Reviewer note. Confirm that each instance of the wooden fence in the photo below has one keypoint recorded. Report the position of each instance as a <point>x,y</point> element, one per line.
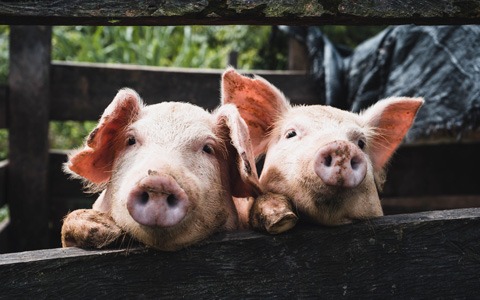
<point>432,253</point>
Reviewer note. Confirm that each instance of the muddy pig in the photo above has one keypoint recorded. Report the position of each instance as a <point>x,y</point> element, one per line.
<point>322,163</point>
<point>166,172</point>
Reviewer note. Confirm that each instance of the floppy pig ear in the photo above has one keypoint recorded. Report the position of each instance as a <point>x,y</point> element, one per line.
<point>258,102</point>
<point>94,162</point>
<point>243,173</point>
<point>391,119</point>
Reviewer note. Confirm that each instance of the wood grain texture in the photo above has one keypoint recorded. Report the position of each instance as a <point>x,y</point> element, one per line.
<point>29,96</point>
<point>405,256</point>
<point>261,12</point>
<point>81,91</point>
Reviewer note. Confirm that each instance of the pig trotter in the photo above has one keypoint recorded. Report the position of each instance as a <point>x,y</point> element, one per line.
<point>88,228</point>
<point>272,213</point>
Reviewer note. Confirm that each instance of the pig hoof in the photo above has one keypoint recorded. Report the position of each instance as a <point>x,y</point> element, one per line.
<point>88,228</point>
<point>273,213</point>
<point>282,223</point>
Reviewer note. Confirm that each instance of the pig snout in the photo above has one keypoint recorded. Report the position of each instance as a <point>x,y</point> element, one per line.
<point>340,163</point>
<point>157,200</point>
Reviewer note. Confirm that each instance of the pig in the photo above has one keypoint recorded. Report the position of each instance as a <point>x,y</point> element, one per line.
<point>322,164</point>
<point>166,173</point>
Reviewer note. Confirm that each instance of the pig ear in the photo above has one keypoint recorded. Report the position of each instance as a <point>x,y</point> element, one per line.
<point>390,118</point>
<point>94,162</point>
<point>243,173</point>
<point>260,104</point>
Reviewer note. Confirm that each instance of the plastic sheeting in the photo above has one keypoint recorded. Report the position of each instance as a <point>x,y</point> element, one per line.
<point>439,63</point>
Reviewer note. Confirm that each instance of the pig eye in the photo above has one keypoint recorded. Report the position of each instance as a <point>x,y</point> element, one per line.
<point>361,144</point>
<point>290,134</point>
<point>208,149</point>
<point>131,141</point>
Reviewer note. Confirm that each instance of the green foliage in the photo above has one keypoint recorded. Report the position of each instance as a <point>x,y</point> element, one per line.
<point>4,213</point>
<point>172,46</point>
<point>3,144</point>
<point>69,134</point>
<point>4,30</point>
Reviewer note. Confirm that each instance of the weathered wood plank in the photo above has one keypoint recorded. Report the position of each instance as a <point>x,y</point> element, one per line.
<point>434,170</point>
<point>81,91</point>
<point>29,89</point>
<point>404,205</point>
<point>404,256</point>
<point>261,12</point>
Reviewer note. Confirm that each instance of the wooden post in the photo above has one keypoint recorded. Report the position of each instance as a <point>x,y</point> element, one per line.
<point>233,58</point>
<point>29,88</point>
<point>297,56</point>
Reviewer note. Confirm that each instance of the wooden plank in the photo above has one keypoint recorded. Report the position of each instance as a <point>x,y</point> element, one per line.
<point>434,170</point>
<point>29,88</point>
<point>403,205</point>
<point>81,91</point>
<point>403,256</point>
<point>3,105</point>
<point>3,182</point>
<point>260,12</point>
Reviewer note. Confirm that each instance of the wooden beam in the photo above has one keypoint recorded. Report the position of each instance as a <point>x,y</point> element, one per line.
<point>82,91</point>
<point>259,12</point>
<point>29,89</point>
<point>434,170</point>
<point>403,256</point>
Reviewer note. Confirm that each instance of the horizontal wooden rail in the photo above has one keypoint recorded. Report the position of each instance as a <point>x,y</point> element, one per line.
<point>433,254</point>
<point>260,12</point>
<point>81,91</point>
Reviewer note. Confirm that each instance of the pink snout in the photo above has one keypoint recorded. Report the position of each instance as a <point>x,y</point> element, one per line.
<point>341,163</point>
<point>157,200</point>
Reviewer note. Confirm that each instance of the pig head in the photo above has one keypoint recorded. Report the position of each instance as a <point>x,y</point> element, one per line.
<point>328,162</point>
<point>166,173</point>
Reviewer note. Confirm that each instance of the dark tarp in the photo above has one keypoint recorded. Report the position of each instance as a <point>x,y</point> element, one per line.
<point>439,63</point>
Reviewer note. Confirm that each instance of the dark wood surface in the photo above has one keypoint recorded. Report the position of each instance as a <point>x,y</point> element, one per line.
<point>29,96</point>
<point>434,170</point>
<point>261,12</point>
<point>432,255</point>
<point>81,91</point>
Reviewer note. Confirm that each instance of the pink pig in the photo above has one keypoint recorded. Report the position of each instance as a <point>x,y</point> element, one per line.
<point>166,172</point>
<point>325,163</point>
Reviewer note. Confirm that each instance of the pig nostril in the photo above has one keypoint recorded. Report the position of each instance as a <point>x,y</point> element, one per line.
<point>328,160</point>
<point>144,198</point>
<point>354,163</point>
<point>172,200</point>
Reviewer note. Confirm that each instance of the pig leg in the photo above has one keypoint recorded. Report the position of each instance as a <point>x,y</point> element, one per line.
<point>273,213</point>
<point>88,228</point>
